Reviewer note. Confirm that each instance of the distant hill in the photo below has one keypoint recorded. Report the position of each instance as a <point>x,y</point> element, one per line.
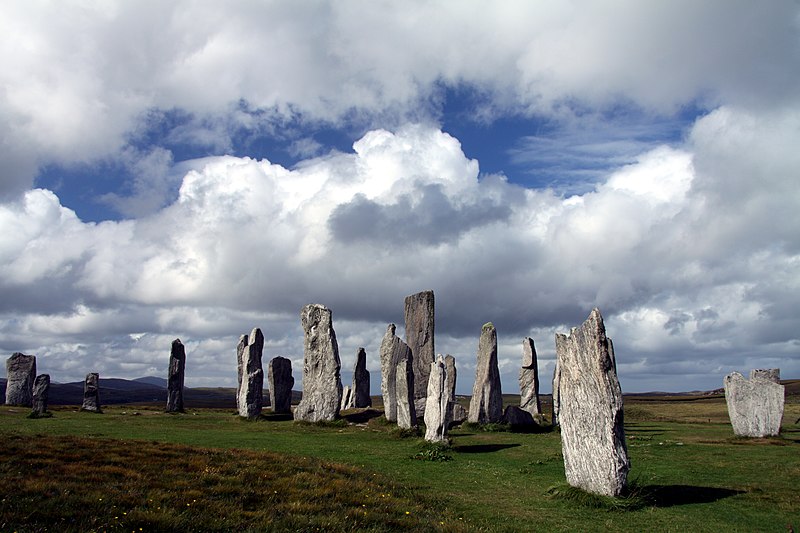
<point>152,380</point>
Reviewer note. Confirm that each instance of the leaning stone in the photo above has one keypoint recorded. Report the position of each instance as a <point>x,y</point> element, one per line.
<point>590,410</point>
<point>240,347</point>
<point>486,404</point>
<point>393,350</point>
<point>404,386</point>
<point>419,316</point>
<point>755,406</point>
<point>347,397</point>
<point>280,382</point>
<point>251,392</point>
<point>177,365</point>
<point>360,388</point>
<point>91,393</point>
<point>529,379</point>
<point>41,393</point>
<point>20,375</point>
<point>437,403</point>
<point>322,382</point>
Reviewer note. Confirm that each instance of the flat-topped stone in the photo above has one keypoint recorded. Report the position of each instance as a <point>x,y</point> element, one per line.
<point>486,404</point>
<point>420,322</point>
<point>755,406</point>
<point>281,381</point>
<point>20,375</point>
<point>91,393</point>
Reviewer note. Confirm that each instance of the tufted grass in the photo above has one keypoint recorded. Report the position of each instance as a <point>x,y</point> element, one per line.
<point>691,474</point>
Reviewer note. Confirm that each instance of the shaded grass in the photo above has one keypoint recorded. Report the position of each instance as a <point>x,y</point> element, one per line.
<point>77,484</point>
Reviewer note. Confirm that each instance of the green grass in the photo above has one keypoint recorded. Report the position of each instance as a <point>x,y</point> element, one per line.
<point>690,474</point>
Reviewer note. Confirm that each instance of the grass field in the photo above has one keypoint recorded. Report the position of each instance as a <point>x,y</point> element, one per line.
<point>136,467</point>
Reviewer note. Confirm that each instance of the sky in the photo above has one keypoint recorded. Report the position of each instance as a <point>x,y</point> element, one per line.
<point>196,169</point>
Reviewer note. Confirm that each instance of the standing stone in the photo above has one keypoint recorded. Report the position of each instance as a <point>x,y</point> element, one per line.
<point>590,409</point>
<point>322,382</point>
<point>91,393</point>
<point>347,398</point>
<point>486,404</point>
<point>360,389</point>
<point>517,417</point>
<point>41,393</point>
<point>529,379</point>
<point>240,347</point>
<point>404,386</point>
<point>755,406</point>
<point>251,392</point>
<point>419,337</point>
<point>20,375</point>
<point>280,381</point>
<point>437,403</point>
<point>177,364</point>
<point>456,413</point>
<point>556,398</point>
<point>392,351</point>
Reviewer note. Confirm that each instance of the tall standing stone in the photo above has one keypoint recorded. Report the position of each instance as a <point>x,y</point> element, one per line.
<point>419,317</point>
<point>41,394</point>
<point>755,406</point>
<point>91,393</point>
<point>392,351</point>
<point>280,381</point>
<point>251,392</point>
<point>404,387</point>
<point>456,412</point>
<point>556,398</point>
<point>529,379</point>
<point>438,403</point>
<point>177,365</point>
<point>322,382</point>
<point>590,409</point>
<point>20,375</point>
<point>486,404</point>
<point>244,340</point>
<point>360,389</point>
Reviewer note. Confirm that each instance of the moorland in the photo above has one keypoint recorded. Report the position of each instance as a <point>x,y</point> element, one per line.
<point>136,468</point>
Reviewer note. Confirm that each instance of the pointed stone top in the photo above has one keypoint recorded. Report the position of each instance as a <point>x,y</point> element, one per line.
<point>176,341</point>
<point>487,326</point>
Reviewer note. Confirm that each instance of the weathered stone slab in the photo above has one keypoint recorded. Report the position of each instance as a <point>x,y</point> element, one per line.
<point>556,398</point>
<point>459,415</point>
<point>437,403</point>
<point>419,316</point>
<point>392,351</point>
<point>404,387</point>
<point>486,404</point>
<point>244,340</point>
<point>41,394</point>
<point>322,382</point>
<point>280,382</point>
<point>347,398</point>
<point>175,375</point>
<point>360,388</point>
<point>251,391</point>
<point>517,417</point>
<point>590,409</point>
<point>755,406</point>
<point>91,393</point>
<point>20,375</point>
<point>529,379</point>
<point>450,375</point>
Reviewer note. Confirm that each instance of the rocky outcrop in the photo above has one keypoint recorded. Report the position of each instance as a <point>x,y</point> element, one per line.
<point>404,387</point>
<point>755,406</point>
<point>322,382</point>
<point>41,393</point>
<point>251,390</point>
<point>177,365</point>
<point>20,375</point>
<point>437,403</point>
<point>360,389</point>
<point>91,393</point>
<point>419,316</point>
<point>486,405</point>
<point>392,351</point>
<point>590,410</point>
<point>529,379</point>
<point>280,382</point>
